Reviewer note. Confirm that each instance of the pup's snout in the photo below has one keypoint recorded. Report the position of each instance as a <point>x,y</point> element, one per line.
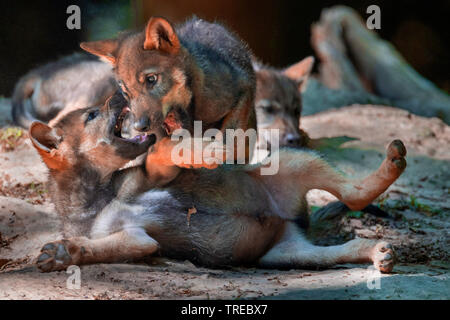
<point>292,140</point>
<point>142,124</point>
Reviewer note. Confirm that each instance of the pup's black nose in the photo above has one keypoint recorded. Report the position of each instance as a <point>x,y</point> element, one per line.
<point>292,140</point>
<point>142,124</point>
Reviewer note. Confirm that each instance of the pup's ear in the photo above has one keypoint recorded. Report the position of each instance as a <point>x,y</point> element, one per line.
<point>46,141</point>
<point>160,35</point>
<point>300,72</point>
<point>105,49</point>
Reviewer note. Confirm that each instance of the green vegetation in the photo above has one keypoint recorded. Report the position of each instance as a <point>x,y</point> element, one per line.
<point>429,211</point>
<point>9,137</point>
<point>355,214</point>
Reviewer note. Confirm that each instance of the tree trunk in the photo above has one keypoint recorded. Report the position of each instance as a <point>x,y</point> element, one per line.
<point>356,63</point>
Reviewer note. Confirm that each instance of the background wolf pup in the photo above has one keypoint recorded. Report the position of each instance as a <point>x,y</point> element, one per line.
<point>229,227</point>
<point>278,105</point>
<point>199,71</point>
<point>278,101</point>
<point>74,81</point>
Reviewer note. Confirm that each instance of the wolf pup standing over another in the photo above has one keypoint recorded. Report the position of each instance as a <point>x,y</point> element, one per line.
<point>173,76</point>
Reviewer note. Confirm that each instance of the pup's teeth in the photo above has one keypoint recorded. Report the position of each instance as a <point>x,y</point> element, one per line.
<point>143,137</point>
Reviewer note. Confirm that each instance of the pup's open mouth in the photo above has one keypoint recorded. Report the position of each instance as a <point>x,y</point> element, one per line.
<point>141,138</point>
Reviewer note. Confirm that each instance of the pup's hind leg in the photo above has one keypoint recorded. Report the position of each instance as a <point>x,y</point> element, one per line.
<point>358,195</point>
<point>294,251</point>
<point>302,171</point>
<point>130,243</point>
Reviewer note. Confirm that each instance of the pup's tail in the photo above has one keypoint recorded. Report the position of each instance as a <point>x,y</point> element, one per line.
<point>23,110</point>
<point>339,208</point>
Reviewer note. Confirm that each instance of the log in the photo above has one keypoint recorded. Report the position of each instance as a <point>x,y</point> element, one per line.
<point>355,61</point>
<point>319,97</point>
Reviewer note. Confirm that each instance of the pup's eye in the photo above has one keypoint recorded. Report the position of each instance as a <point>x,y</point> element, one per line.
<point>92,115</point>
<point>269,109</point>
<point>151,79</point>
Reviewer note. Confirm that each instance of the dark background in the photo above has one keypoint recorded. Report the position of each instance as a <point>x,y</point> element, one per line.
<point>278,32</point>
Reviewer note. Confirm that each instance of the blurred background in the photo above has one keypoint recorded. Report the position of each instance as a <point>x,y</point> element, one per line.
<point>278,32</point>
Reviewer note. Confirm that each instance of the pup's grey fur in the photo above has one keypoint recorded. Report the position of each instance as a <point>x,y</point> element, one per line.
<point>278,102</point>
<point>74,81</point>
<point>239,217</point>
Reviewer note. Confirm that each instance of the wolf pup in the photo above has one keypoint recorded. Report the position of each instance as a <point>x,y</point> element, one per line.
<point>241,217</point>
<point>278,101</point>
<point>197,71</point>
<point>278,105</point>
<point>74,81</point>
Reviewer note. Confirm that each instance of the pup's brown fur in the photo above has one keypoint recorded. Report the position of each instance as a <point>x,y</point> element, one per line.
<point>197,71</point>
<point>242,217</point>
<point>78,80</point>
<point>278,102</point>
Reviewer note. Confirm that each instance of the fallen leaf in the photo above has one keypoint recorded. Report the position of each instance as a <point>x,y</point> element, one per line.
<point>191,211</point>
<point>4,261</point>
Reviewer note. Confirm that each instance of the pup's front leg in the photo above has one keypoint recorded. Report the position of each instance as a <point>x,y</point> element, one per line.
<point>160,156</point>
<point>130,243</point>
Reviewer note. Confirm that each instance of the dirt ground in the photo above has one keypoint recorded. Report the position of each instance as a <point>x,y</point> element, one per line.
<point>418,226</point>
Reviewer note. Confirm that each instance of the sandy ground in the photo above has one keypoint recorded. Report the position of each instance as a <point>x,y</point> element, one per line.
<point>418,203</point>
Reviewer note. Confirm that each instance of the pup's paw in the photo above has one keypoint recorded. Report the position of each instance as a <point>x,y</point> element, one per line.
<point>58,255</point>
<point>396,153</point>
<point>199,166</point>
<point>383,257</point>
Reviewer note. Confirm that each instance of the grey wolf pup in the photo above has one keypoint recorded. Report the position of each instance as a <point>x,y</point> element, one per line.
<point>172,76</point>
<point>228,216</point>
<point>54,89</point>
<point>278,102</point>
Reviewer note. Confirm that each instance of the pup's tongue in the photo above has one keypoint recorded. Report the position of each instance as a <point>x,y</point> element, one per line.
<point>140,138</point>
<point>118,130</point>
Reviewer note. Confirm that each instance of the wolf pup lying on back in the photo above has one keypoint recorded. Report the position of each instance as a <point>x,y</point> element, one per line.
<point>241,217</point>
<point>173,76</point>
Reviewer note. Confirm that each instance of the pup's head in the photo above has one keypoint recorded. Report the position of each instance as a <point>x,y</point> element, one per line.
<point>278,100</point>
<point>151,70</point>
<point>88,139</point>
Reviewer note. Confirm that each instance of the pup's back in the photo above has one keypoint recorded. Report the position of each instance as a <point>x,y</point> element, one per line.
<point>74,81</point>
<point>225,61</point>
<point>212,43</point>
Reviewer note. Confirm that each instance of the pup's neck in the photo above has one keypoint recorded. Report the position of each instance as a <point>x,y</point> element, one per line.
<point>80,192</point>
